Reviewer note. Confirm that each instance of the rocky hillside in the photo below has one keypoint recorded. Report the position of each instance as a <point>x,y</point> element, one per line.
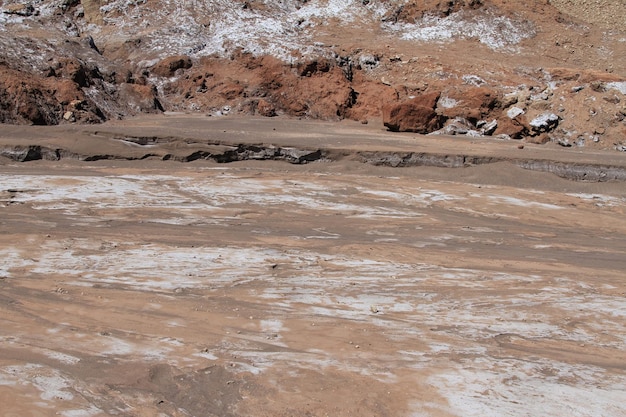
<point>536,70</point>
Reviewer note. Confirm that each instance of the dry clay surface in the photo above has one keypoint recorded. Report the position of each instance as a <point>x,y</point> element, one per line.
<point>338,288</point>
<point>605,13</point>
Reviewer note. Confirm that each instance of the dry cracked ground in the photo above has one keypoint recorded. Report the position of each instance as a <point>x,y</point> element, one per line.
<point>332,288</point>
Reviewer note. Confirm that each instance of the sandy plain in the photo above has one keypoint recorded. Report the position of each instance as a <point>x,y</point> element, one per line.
<point>338,287</point>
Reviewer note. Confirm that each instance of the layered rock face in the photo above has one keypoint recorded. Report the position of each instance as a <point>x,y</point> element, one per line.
<point>496,68</point>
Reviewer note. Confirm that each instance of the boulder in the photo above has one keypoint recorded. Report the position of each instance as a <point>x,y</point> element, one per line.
<point>415,115</point>
<point>472,104</point>
<point>69,116</point>
<point>461,126</point>
<point>264,108</point>
<point>488,128</point>
<point>544,122</point>
<point>368,61</point>
<point>539,139</point>
<point>516,128</point>
<point>168,66</point>
<point>457,126</point>
<point>140,98</point>
<point>514,112</point>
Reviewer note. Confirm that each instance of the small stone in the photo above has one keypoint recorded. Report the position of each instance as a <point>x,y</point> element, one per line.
<point>489,128</point>
<point>76,104</point>
<point>369,61</point>
<point>509,99</point>
<point>513,112</point>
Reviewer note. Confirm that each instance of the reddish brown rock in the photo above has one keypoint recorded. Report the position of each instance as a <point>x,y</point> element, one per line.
<point>265,85</point>
<point>231,91</point>
<point>66,91</point>
<point>516,128</point>
<point>370,96</point>
<point>306,69</point>
<point>473,104</point>
<point>26,100</point>
<point>168,66</point>
<point>539,139</point>
<point>322,92</point>
<point>416,115</point>
<point>140,98</point>
<point>264,108</point>
<point>75,71</point>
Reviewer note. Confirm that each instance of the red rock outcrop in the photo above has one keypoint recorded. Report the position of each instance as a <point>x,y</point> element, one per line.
<point>415,115</point>
<point>168,66</point>
<point>27,101</point>
<point>516,128</point>
<point>265,85</point>
<point>473,104</point>
<point>141,98</point>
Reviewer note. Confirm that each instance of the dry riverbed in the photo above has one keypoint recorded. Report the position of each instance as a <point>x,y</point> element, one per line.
<point>263,288</point>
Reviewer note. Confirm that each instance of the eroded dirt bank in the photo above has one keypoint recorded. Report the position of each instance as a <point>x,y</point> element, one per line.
<point>187,138</point>
<point>265,288</point>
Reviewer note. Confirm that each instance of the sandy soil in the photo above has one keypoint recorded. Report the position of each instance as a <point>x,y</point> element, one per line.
<point>262,288</point>
<point>605,13</point>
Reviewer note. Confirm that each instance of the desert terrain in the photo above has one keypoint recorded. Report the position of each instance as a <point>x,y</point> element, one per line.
<point>539,71</point>
<point>184,265</point>
<point>312,208</point>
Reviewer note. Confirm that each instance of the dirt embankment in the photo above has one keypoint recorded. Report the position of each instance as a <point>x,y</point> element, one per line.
<point>231,139</point>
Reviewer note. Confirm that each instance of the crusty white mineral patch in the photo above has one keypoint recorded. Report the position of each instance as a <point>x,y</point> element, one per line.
<point>402,278</point>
